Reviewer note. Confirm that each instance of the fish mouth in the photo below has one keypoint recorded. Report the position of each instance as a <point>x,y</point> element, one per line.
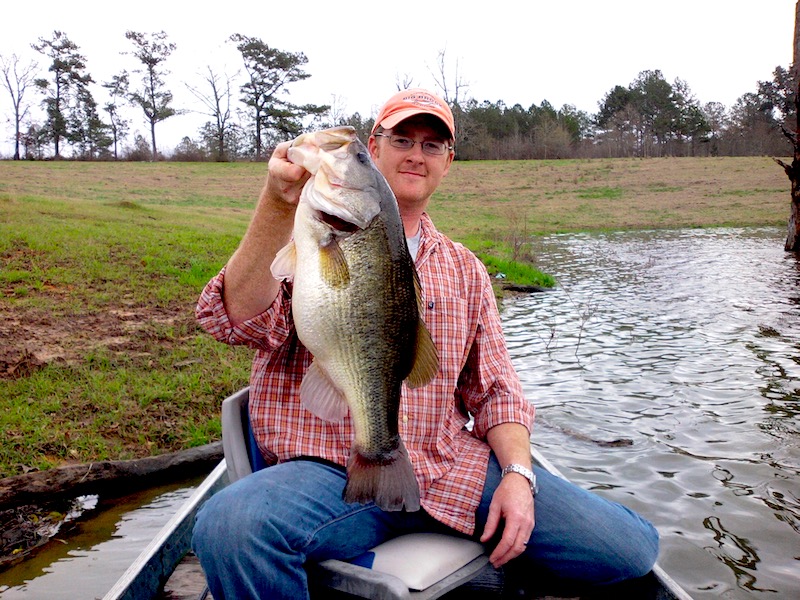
<point>337,223</point>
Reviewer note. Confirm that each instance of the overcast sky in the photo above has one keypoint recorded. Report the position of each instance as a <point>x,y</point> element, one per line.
<point>562,51</point>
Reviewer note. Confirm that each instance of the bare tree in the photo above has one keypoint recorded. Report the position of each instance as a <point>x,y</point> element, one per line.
<point>793,170</point>
<point>217,101</point>
<point>17,78</point>
<point>454,90</point>
<point>403,82</point>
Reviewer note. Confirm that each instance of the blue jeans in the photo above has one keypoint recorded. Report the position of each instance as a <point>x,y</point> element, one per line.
<point>253,537</point>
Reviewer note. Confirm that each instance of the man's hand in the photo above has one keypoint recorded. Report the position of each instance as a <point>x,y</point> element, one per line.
<point>285,180</point>
<point>511,509</point>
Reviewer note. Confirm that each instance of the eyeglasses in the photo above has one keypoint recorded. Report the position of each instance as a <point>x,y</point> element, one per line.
<point>434,148</point>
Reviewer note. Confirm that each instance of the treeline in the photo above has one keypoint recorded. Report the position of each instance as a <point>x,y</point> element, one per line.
<point>650,117</point>
<point>247,117</point>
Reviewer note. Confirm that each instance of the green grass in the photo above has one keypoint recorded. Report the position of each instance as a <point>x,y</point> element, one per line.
<point>600,193</point>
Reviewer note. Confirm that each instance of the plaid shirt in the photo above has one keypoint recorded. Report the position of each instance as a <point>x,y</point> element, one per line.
<point>476,378</point>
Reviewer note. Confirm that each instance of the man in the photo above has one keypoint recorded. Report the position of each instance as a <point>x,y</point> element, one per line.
<point>254,537</point>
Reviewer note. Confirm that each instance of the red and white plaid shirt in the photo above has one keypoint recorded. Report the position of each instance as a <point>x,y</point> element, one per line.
<point>476,378</point>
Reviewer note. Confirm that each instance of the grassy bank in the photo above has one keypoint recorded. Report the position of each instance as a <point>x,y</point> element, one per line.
<point>101,265</point>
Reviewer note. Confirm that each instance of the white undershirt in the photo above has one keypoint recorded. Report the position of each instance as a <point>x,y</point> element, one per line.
<point>413,244</point>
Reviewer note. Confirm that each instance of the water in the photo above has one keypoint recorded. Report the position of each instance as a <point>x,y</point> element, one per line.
<point>687,343</point>
<point>85,563</point>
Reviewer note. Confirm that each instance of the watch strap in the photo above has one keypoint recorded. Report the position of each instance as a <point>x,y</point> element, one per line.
<point>525,472</point>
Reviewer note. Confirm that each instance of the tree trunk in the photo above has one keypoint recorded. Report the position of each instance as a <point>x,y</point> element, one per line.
<point>153,137</point>
<point>793,170</point>
<point>119,476</point>
<point>793,236</point>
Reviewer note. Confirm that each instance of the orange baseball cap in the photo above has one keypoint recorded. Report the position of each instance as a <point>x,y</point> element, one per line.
<point>416,101</point>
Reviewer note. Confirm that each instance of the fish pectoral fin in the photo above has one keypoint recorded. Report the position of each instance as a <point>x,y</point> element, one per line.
<point>426,359</point>
<point>283,266</point>
<point>320,397</point>
<point>418,292</point>
<point>333,265</point>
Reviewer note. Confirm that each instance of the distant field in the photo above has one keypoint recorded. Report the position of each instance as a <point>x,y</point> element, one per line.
<point>612,194</point>
<point>101,264</point>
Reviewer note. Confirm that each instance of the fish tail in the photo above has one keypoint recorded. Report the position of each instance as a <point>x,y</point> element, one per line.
<point>388,481</point>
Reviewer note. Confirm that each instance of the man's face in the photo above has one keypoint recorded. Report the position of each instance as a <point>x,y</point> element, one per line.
<point>412,174</point>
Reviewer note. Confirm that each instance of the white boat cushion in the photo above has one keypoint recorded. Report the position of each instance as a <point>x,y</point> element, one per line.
<point>420,559</point>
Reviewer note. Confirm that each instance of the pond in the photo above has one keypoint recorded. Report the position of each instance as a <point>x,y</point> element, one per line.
<point>684,346</point>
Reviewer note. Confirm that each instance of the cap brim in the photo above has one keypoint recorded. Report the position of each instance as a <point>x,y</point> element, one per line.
<point>392,120</point>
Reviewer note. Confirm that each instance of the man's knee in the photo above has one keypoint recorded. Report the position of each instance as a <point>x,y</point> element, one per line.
<point>635,558</point>
<point>222,524</point>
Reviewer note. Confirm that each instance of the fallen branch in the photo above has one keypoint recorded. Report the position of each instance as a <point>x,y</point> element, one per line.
<point>118,476</point>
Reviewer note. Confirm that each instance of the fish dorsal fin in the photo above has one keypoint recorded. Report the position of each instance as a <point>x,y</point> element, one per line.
<point>283,265</point>
<point>333,265</point>
<point>320,397</point>
<point>426,358</point>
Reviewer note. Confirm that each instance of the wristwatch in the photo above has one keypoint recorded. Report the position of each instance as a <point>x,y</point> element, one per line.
<point>526,473</point>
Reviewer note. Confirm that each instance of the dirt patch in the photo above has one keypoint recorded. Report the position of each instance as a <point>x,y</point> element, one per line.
<point>31,339</point>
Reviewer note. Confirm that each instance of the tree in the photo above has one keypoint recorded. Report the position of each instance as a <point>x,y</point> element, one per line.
<point>453,92</point>
<point>17,78</point>
<point>750,130</point>
<point>217,101</point>
<point>87,130</point>
<point>717,119</point>
<point>613,102</point>
<point>659,116</point>
<point>777,96</point>
<point>70,82</point>
<point>34,140</point>
<point>117,90</point>
<point>652,96</point>
<point>152,96</point>
<point>269,72</point>
<point>188,151</point>
<point>689,122</point>
<point>793,170</point>
<point>620,122</point>
<point>577,122</point>
<point>140,151</point>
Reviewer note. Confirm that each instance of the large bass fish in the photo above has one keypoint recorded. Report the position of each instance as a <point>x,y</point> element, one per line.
<point>356,307</point>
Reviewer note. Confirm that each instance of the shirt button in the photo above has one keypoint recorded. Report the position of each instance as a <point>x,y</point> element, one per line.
<point>405,419</point>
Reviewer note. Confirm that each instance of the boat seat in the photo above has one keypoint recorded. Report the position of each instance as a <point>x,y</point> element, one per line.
<point>421,566</point>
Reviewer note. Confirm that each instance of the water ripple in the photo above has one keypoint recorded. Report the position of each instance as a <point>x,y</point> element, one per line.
<point>684,343</point>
